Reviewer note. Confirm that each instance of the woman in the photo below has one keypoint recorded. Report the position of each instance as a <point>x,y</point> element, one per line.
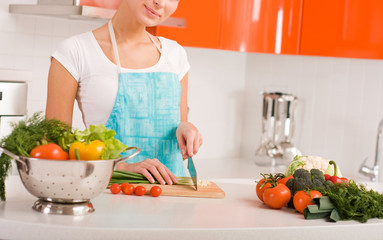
<point>134,83</point>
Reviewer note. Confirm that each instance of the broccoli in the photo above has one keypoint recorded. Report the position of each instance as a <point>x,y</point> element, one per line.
<point>328,184</point>
<point>302,174</point>
<point>305,180</point>
<point>316,183</point>
<point>317,174</point>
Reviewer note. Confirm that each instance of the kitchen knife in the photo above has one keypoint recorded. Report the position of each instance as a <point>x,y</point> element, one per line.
<point>193,172</point>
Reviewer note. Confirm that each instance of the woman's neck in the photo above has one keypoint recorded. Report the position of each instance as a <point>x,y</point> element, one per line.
<point>126,27</point>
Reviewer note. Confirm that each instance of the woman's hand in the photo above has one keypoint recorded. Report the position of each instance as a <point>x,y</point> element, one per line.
<point>189,139</point>
<point>150,168</point>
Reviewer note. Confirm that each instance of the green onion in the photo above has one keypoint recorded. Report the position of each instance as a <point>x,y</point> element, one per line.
<point>137,178</point>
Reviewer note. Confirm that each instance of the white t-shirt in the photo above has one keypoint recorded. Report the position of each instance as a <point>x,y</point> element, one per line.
<point>97,76</point>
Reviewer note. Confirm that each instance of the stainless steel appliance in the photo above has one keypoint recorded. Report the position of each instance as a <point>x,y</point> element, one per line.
<point>13,104</point>
<point>278,125</point>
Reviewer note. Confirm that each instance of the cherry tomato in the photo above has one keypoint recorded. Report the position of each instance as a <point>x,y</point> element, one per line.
<point>302,199</point>
<point>139,190</point>
<point>278,196</point>
<point>155,191</point>
<point>335,179</point>
<point>260,189</point>
<point>115,188</point>
<point>285,179</point>
<point>127,188</point>
<point>49,151</point>
<point>327,177</point>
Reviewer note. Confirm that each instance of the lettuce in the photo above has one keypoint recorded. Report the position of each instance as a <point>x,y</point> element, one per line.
<point>113,147</point>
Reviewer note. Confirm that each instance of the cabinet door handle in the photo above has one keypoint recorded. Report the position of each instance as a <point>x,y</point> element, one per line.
<point>1,96</point>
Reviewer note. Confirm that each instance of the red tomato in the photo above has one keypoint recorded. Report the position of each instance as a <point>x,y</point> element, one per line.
<point>345,181</point>
<point>139,190</point>
<point>127,188</point>
<point>278,196</point>
<point>260,189</point>
<point>335,179</point>
<point>327,177</point>
<point>302,199</point>
<point>155,191</point>
<point>285,179</point>
<point>115,188</point>
<point>50,151</point>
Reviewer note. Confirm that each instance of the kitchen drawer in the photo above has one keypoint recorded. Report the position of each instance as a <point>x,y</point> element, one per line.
<point>13,98</point>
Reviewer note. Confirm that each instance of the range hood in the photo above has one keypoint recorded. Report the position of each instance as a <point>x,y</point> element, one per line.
<point>77,9</point>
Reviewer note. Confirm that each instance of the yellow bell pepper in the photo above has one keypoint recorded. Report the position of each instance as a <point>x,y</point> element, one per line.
<point>91,151</point>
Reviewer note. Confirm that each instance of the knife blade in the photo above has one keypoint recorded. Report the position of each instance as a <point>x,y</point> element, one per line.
<point>193,172</point>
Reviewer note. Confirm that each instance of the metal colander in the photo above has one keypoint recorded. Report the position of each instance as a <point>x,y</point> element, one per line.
<point>66,181</point>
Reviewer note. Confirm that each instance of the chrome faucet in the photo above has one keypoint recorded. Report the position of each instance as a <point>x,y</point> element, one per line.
<point>373,172</point>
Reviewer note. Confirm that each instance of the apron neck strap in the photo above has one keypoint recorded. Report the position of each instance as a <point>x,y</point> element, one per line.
<point>114,44</point>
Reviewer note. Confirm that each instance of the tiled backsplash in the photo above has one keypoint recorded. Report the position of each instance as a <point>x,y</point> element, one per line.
<point>340,100</point>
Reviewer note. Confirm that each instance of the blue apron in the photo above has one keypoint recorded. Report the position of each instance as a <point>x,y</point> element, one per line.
<point>146,114</point>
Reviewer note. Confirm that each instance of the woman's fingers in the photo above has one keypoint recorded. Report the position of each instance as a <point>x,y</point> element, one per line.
<point>196,144</point>
<point>181,143</point>
<point>147,175</point>
<point>152,169</point>
<point>190,143</point>
<point>160,171</point>
<point>173,178</point>
<point>165,175</point>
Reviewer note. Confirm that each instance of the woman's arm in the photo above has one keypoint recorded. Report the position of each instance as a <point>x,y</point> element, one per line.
<point>188,136</point>
<point>62,89</point>
<point>184,98</point>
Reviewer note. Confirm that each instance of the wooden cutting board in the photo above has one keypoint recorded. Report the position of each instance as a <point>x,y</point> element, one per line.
<point>209,191</point>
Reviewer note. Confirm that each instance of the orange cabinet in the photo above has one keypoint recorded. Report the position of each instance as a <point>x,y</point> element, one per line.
<point>264,26</point>
<point>203,24</point>
<point>343,28</point>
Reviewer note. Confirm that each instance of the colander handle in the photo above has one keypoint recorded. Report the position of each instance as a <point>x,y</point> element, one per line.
<point>128,157</point>
<point>12,155</point>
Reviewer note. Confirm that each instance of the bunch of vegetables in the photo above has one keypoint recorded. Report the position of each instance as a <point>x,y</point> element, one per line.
<point>52,139</point>
<point>318,194</point>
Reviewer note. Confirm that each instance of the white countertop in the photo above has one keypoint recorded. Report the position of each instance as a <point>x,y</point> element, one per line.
<point>240,215</point>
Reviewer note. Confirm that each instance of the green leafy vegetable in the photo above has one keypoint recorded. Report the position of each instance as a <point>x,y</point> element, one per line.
<point>25,136</point>
<point>354,202</point>
<point>113,147</point>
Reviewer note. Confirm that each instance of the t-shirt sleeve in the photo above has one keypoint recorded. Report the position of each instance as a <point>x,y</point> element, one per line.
<point>68,54</point>
<point>177,58</point>
<point>184,63</point>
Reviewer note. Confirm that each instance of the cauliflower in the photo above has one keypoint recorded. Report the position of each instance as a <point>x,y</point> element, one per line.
<point>312,162</point>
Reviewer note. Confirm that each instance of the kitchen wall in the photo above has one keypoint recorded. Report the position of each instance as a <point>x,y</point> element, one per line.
<point>340,104</point>
<point>340,100</point>
<point>26,43</point>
